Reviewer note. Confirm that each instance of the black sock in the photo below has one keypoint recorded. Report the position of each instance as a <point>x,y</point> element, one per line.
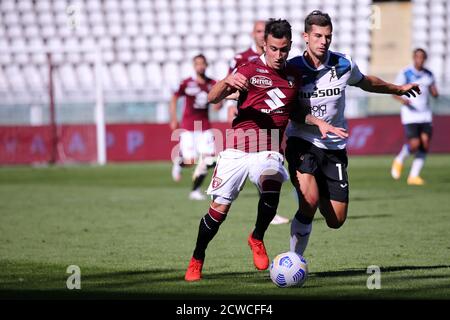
<point>198,181</point>
<point>209,225</point>
<point>302,218</point>
<point>267,209</point>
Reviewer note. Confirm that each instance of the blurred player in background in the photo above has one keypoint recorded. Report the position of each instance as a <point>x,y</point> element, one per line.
<point>268,96</point>
<point>416,118</point>
<point>197,142</point>
<point>318,167</point>
<point>252,53</point>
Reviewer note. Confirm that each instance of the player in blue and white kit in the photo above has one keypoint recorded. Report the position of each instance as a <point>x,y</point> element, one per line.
<point>318,167</point>
<point>416,118</point>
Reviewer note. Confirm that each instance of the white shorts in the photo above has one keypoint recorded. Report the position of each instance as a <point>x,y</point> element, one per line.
<point>233,166</point>
<point>196,143</point>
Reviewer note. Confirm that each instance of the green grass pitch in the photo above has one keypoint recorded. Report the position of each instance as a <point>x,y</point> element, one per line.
<point>131,230</point>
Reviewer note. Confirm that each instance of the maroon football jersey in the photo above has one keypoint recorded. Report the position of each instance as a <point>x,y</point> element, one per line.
<point>196,102</point>
<point>248,55</point>
<point>271,96</point>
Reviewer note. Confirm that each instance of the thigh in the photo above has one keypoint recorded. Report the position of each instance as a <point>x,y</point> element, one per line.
<point>332,177</point>
<point>303,170</point>
<point>426,132</point>
<point>412,131</point>
<point>267,164</point>
<point>334,212</point>
<point>229,175</point>
<point>187,146</point>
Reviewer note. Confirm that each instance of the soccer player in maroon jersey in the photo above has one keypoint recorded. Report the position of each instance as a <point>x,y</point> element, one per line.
<point>268,96</point>
<point>252,53</point>
<point>197,141</point>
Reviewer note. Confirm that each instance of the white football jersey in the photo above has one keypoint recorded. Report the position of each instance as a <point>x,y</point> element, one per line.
<point>323,89</point>
<point>419,110</point>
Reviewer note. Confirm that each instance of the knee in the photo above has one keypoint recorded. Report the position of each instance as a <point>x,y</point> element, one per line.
<point>310,199</point>
<point>414,146</point>
<point>336,222</point>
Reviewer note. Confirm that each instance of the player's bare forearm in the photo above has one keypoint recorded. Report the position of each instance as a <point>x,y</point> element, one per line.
<point>377,85</point>
<point>325,127</point>
<point>219,92</point>
<point>173,113</point>
<point>434,92</point>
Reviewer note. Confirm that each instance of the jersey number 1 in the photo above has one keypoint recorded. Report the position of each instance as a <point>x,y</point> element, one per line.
<point>275,98</point>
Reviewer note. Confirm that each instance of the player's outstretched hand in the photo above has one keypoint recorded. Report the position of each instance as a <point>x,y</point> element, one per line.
<point>409,90</point>
<point>326,127</point>
<point>237,81</point>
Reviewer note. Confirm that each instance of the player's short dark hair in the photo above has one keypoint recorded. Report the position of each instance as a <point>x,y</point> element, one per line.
<point>278,28</point>
<point>317,18</point>
<point>420,50</point>
<point>201,56</point>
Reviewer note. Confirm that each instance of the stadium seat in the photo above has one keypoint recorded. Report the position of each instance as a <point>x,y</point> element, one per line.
<point>159,55</point>
<point>68,77</point>
<point>119,75</point>
<point>220,69</point>
<point>157,42</point>
<point>171,75</point>
<point>85,74</point>
<point>8,5</point>
<point>142,56</point>
<point>173,42</point>
<point>124,56</point>
<point>136,74</point>
<point>154,75</point>
<point>144,5</point>
<point>186,70</point>
<point>28,19</point>
<point>191,41</point>
<point>26,5</point>
<point>211,54</point>
<point>175,55</point>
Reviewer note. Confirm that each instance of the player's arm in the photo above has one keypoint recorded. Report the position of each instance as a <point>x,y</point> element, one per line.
<point>232,83</point>
<point>434,91</point>
<point>173,112</point>
<point>376,85</point>
<point>303,115</point>
<point>325,127</point>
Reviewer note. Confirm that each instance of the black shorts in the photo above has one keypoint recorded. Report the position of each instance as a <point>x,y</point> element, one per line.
<point>329,167</point>
<point>413,130</point>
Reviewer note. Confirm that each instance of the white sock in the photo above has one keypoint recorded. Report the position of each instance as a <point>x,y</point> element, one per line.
<point>299,236</point>
<point>404,153</point>
<point>417,164</point>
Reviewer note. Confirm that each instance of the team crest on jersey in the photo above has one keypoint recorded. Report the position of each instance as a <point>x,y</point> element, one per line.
<point>192,89</point>
<point>216,182</point>
<point>333,73</point>
<point>261,81</point>
<point>291,81</point>
<point>261,70</point>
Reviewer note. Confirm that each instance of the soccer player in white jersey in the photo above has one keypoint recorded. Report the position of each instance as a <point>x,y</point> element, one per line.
<point>318,167</point>
<point>416,118</point>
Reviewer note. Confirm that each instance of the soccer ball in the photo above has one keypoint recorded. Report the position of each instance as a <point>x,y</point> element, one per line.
<point>289,269</point>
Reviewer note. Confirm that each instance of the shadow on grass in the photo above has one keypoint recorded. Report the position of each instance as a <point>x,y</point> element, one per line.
<point>168,284</point>
<point>358,272</point>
